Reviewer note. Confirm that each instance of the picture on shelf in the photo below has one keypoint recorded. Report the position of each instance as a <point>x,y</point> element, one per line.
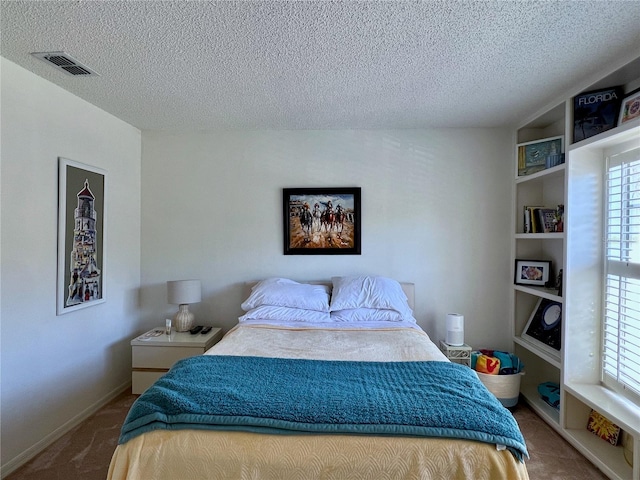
<point>532,272</point>
<point>595,112</point>
<point>630,107</point>
<point>545,325</point>
<point>541,154</point>
<point>604,428</point>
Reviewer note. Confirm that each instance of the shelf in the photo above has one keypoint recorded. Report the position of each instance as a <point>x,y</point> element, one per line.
<point>548,357</point>
<point>543,174</point>
<point>542,408</point>
<point>548,293</point>
<point>540,236</point>
<point>615,407</point>
<point>627,131</point>
<point>605,456</point>
<point>578,184</point>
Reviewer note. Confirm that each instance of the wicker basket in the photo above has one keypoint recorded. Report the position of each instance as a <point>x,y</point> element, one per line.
<point>506,388</point>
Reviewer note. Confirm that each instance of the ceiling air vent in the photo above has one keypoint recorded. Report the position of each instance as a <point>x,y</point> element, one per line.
<point>65,62</point>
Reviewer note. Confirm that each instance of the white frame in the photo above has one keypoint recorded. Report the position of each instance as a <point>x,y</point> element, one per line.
<point>546,269</point>
<point>63,231</point>
<point>630,97</point>
<point>535,142</point>
<point>547,348</point>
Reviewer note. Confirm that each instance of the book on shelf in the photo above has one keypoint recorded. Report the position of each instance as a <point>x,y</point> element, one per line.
<point>547,217</point>
<point>531,221</point>
<point>539,219</point>
<point>595,112</point>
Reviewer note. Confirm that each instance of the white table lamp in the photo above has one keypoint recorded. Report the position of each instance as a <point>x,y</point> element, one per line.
<point>182,293</point>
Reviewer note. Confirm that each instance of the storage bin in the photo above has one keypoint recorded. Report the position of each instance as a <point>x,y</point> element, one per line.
<point>506,388</point>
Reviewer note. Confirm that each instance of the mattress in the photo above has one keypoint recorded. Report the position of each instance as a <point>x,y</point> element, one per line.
<point>213,454</point>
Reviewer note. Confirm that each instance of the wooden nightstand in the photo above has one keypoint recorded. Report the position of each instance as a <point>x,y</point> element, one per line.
<point>153,355</point>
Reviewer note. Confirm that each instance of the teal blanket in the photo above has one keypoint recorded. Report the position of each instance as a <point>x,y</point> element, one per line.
<point>286,396</point>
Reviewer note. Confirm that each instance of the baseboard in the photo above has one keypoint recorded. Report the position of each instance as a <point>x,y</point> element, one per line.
<point>38,447</point>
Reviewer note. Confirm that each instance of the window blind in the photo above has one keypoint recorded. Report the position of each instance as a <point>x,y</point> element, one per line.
<point>621,325</point>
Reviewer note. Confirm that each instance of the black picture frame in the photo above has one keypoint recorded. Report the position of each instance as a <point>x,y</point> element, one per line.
<point>532,272</point>
<point>544,327</point>
<point>321,221</point>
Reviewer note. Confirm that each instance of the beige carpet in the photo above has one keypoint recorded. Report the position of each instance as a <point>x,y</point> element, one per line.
<point>85,452</point>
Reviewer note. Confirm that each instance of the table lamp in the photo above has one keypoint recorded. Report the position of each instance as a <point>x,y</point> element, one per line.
<point>182,293</point>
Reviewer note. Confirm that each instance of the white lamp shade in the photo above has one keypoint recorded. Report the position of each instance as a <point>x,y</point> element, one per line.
<point>180,292</point>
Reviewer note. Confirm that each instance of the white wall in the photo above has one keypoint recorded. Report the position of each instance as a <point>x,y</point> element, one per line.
<point>435,211</point>
<point>435,207</point>
<point>55,368</point>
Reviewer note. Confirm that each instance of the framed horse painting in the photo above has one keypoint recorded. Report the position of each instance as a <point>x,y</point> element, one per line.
<point>321,221</point>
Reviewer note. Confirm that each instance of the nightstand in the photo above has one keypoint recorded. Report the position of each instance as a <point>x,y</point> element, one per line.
<point>152,354</point>
<point>457,353</point>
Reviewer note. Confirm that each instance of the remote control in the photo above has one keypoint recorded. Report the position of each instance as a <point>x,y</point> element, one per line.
<point>205,330</point>
<point>195,329</point>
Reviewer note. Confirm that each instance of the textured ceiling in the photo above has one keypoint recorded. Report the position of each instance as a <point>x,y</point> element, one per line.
<point>208,65</point>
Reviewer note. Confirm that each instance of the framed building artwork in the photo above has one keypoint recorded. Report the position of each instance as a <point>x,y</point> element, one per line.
<point>81,236</point>
<point>321,221</point>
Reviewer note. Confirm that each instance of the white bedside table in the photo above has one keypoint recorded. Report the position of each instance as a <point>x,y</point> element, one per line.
<point>152,356</point>
<point>457,353</point>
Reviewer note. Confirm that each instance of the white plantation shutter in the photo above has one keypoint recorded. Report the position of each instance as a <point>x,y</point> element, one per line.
<point>621,336</point>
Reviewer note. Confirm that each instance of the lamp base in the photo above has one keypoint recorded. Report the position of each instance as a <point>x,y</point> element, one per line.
<point>183,320</point>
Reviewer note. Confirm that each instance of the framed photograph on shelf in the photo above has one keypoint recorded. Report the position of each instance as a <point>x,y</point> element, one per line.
<point>539,155</point>
<point>630,107</point>
<point>595,112</point>
<point>544,327</point>
<point>82,214</point>
<point>532,272</point>
<point>321,221</point>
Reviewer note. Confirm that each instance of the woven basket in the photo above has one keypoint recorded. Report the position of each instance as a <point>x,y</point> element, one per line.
<point>506,388</point>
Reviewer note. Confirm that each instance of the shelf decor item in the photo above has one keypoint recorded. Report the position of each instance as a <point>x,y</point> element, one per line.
<point>541,154</point>
<point>321,221</point>
<point>182,293</point>
<point>599,425</point>
<point>595,112</point>
<point>627,447</point>
<point>81,235</point>
<point>532,272</point>
<point>630,107</point>
<point>544,327</point>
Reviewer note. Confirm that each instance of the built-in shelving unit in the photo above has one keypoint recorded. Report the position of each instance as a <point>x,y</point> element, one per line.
<point>577,184</point>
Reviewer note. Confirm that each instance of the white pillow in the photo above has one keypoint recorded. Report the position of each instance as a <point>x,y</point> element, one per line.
<point>269,312</point>
<point>367,315</point>
<point>282,292</point>
<point>369,292</point>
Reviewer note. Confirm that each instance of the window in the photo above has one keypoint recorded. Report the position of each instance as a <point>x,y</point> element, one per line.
<point>621,335</point>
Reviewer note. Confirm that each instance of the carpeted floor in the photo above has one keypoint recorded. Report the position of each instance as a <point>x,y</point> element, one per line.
<point>85,452</point>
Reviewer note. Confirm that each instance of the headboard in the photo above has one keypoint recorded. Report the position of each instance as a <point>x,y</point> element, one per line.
<point>408,288</point>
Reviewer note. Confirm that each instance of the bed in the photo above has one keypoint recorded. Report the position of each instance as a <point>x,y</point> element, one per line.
<point>328,381</point>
